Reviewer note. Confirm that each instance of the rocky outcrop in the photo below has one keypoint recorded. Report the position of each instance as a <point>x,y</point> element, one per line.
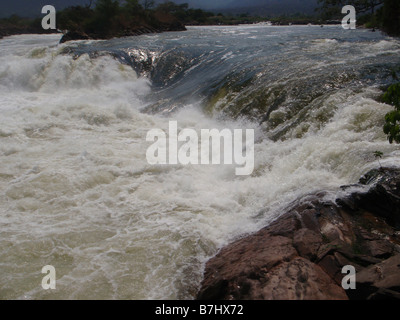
<point>163,24</point>
<point>74,35</point>
<point>133,31</point>
<point>302,253</point>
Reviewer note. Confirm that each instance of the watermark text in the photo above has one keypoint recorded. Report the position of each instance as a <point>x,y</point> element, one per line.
<point>212,147</point>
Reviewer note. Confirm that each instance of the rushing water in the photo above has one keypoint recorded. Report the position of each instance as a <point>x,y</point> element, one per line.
<point>76,191</point>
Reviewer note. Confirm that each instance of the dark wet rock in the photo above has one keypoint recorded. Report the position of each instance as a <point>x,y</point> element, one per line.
<point>132,31</point>
<point>379,281</point>
<point>307,243</point>
<point>383,198</point>
<point>73,36</point>
<point>302,253</point>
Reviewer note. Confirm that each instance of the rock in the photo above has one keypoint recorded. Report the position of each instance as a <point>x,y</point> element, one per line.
<point>170,24</point>
<point>307,243</point>
<point>298,279</point>
<point>380,248</point>
<point>74,35</point>
<point>379,281</point>
<point>383,197</point>
<point>129,32</point>
<point>302,253</point>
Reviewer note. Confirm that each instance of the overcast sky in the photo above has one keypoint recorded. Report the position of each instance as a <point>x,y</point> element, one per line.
<point>33,7</point>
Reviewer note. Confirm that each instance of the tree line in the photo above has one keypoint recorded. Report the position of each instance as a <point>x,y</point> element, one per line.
<point>109,18</point>
<point>103,19</point>
<point>381,14</point>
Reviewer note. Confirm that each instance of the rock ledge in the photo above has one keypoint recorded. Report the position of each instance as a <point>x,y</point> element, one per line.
<point>301,254</point>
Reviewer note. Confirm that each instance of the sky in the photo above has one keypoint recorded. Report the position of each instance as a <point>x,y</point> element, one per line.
<point>33,7</point>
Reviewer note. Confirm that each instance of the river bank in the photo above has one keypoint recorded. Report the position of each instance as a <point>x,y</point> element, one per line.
<point>7,30</point>
<point>11,30</point>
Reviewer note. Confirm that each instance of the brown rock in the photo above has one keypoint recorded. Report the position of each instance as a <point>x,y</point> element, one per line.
<point>385,275</point>
<point>302,253</point>
<point>380,248</point>
<point>285,226</point>
<point>332,268</point>
<point>300,279</point>
<point>249,257</point>
<point>307,243</point>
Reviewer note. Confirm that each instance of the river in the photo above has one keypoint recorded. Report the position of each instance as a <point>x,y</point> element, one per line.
<point>77,191</point>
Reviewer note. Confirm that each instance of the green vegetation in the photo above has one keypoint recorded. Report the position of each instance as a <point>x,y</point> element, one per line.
<point>111,19</point>
<point>390,17</point>
<point>17,25</point>
<point>392,119</point>
<point>382,14</point>
<point>329,7</point>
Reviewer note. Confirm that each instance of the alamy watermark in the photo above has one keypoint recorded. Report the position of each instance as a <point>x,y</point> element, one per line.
<point>49,280</point>
<point>212,147</point>
<point>49,21</point>
<point>349,280</point>
<point>349,21</point>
